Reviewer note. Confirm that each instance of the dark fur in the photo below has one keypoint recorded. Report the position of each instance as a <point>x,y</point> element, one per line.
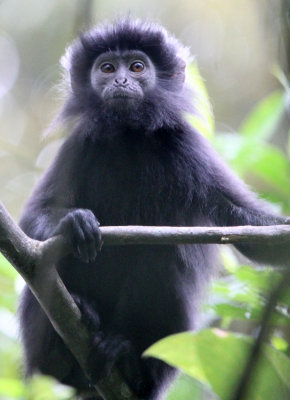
<point>144,166</point>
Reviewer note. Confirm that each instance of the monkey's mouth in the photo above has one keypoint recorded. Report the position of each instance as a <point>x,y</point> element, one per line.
<point>121,93</point>
<point>124,96</point>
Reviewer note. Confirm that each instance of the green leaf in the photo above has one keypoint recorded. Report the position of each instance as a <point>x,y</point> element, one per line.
<point>6,268</point>
<point>281,77</point>
<point>218,358</point>
<point>280,362</point>
<point>46,388</point>
<point>273,167</point>
<point>7,284</point>
<point>261,280</point>
<point>262,121</point>
<point>187,388</point>
<point>11,387</point>
<point>202,120</point>
<point>231,311</point>
<point>279,343</point>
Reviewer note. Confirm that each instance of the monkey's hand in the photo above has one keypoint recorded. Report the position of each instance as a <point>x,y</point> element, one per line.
<point>80,228</point>
<point>105,349</point>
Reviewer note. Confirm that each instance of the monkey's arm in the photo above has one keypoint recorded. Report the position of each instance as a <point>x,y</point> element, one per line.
<point>53,207</point>
<point>52,198</point>
<point>233,204</point>
<point>227,201</point>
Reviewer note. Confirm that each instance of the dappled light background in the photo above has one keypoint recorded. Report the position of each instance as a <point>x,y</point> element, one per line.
<point>236,45</point>
<point>239,46</point>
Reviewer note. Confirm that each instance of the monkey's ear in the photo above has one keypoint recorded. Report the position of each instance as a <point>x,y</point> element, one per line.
<point>71,64</point>
<point>179,73</point>
<point>65,62</point>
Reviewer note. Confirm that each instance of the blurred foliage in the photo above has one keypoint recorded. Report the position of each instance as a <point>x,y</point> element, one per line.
<point>215,358</point>
<point>258,151</point>
<point>254,157</point>
<point>202,120</point>
<point>236,67</point>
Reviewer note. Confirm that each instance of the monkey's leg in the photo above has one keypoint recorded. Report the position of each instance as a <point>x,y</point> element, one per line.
<point>44,350</point>
<point>145,377</point>
<point>105,348</point>
<point>148,377</point>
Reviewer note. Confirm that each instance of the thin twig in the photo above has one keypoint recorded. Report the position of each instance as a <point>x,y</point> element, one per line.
<point>245,381</point>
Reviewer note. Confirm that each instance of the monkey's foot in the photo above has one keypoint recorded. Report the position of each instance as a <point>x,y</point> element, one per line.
<point>89,395</point>
<point>104,354</point>
<point>89,316</point>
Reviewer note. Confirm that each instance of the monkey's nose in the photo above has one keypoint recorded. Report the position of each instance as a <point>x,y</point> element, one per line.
<point>121,81</point>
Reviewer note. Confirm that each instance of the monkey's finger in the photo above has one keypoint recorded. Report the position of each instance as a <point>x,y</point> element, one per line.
<point>92,250</point>
<point>83,253</point>
<point>79,242</point>
<point>96,234</point>
<point>89,228</point>
<point>98,239</point>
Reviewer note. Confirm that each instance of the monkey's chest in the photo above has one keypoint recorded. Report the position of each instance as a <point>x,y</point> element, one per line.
<point>131,190</point>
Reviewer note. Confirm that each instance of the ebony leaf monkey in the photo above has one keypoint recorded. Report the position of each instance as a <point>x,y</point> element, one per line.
<point>131,159</point>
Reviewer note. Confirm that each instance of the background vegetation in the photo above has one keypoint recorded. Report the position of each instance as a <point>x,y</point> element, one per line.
<point>241,52</point>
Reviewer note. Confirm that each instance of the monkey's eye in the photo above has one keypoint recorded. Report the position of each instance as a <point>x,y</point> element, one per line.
<point>107,68</point>
<point>137,66</point>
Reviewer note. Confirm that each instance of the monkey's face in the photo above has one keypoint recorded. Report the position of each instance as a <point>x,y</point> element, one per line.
<point>122,78</point>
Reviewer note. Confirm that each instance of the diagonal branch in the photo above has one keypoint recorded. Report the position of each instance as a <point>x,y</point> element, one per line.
<point>34,261</point>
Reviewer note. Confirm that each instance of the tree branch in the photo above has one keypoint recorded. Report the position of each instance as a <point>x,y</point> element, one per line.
<point>34,261</point>
<point>165,235</point>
